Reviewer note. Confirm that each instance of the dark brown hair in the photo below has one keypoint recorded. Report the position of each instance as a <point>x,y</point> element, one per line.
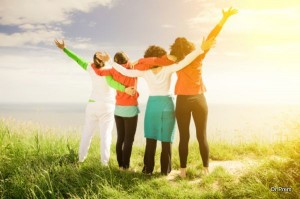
<point>181,47</point>
<point>121,58</point>
<point>98,62</point>
<point>155,51</point>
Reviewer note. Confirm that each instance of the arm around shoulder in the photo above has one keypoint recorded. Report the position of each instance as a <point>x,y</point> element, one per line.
<point>127,72</point>
<point>114,84</point>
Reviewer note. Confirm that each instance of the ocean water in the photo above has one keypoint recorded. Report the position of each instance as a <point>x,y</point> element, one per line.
<point>233,123</point>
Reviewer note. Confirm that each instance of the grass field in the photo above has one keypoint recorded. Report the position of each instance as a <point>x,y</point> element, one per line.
<point>36,162</point>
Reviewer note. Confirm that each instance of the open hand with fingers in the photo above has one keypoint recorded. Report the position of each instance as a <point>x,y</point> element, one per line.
<point>60,45</point>
<point>104,56</point>
<point>231,11</point>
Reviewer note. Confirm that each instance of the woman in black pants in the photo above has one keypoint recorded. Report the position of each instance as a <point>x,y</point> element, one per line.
<point>190,97</point>
<point>126,128</point>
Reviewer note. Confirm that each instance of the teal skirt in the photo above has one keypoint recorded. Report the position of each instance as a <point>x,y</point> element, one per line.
<point>159,121</point>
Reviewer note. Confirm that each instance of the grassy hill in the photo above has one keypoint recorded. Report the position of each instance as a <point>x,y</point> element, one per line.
<point>41,163</point>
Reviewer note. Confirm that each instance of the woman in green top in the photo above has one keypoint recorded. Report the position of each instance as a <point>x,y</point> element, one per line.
<point>100,108</point>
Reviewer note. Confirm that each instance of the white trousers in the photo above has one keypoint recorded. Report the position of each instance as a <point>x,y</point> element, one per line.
<point>102,115</point>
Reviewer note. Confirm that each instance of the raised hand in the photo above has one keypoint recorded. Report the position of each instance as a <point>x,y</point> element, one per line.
<point>208,44</point>
<point>103,56</point>
<point>231,11</point>
<point>60,45</point>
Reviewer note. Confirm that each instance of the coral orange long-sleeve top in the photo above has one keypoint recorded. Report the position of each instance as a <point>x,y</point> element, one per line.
<point>189,79</point>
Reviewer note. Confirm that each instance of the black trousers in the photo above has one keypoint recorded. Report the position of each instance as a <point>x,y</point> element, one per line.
<point>165,157</point>
<point>126,128</point>
<point>195,105</point>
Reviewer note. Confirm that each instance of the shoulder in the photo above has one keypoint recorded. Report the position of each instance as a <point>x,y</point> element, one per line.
<point>107,66</point>
<point>89,66</point>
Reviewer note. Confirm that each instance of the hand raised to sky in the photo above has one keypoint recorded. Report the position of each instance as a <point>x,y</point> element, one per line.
<point>231,11</point>
<point>60,45</point>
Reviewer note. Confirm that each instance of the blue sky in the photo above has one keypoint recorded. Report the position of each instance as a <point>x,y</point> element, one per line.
<point>256,59</point>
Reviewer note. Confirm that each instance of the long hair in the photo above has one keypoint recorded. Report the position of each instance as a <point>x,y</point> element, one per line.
<point>155,51</point>
<point>181,47</point>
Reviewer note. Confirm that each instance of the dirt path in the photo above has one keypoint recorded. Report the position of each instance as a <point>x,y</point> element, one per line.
<point>235,167</point>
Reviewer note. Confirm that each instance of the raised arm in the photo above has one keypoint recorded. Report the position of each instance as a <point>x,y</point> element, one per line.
<point>206,44</point>
<point>226,14</point>
<point>217,29</point>
<point>82,62</point>
<point>127,72</point>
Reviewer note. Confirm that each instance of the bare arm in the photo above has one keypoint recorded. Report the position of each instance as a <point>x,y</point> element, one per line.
<point>217,29</point>
<point>226,14</point>
<point>127,72</point>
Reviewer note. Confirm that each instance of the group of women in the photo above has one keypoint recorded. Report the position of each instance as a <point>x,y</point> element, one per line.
<point>156,68</point>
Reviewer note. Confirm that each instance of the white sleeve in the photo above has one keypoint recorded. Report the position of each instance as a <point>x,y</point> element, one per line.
<point>186,61</point>
<point>127,72</point>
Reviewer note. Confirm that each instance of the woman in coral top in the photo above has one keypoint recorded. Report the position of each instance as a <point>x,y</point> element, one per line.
<point>126,110</point>
<point>190,97</point>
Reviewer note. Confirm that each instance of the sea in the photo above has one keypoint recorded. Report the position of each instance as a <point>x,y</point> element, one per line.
<point>226,122</point>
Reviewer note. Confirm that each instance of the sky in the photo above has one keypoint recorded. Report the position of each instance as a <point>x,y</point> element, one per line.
<point>256,59</point>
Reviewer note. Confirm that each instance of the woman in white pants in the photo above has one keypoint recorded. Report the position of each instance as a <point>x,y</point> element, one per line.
<point>100,108</point>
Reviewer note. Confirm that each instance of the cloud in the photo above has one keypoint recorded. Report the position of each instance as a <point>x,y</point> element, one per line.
<point>82,43</point>
<point>39,20</point>
<point>266,21</point>
<point>167,26</point>
<point>196,1</point>
<point>33,35</point>
<point>209,12</point>
<point>15,12</point>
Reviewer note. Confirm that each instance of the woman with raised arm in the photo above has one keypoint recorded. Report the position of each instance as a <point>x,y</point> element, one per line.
<point>190,90</point>
<point>159,118</point>
<point>100,108</point>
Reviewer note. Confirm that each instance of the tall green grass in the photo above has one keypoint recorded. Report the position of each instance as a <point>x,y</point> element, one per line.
<point>38,162</point>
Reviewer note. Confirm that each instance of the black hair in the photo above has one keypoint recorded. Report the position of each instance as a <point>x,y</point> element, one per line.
<point>121,58</point>
<point>98,62</point>
<point>155,51</point>
<point>181,47</point>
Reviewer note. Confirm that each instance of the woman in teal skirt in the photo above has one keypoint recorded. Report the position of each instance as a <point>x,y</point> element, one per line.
<point>160,116</point>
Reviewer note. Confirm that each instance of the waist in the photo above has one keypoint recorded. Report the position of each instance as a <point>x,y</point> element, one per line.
<point>127,111</point>
<point>160,98</point>
<point>126,100</point>
<point>189,89</point>
<point>160,93</point>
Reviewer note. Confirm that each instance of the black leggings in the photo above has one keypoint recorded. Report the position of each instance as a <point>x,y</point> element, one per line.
<point>126,127</point>
<point>165,157</point>
<point>195,105</point>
